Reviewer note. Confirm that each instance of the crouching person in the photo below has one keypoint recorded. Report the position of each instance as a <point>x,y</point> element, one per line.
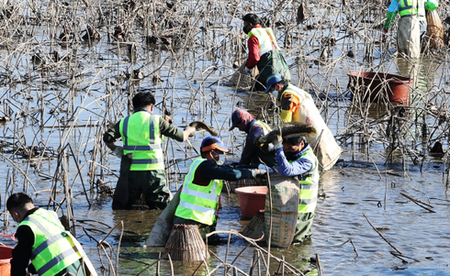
<point>296,158</point>
<point>43,240</point>
<point>200,194</point>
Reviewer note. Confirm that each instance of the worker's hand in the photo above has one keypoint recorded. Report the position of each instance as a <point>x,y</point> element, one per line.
<point>191,130</point>
<point>118,151</point>
<point>257,172</point>
<point>263,167</point>
<point>278,143</point>
<point>248,71</point>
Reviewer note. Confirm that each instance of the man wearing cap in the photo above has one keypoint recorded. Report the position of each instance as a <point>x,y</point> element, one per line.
<point>296,158</point>
<point>42,239</point>
<point>142,135</point>
<point>252,154</point>
<point>297,105</point>
<point>199,198</point>
<point>263,51</point>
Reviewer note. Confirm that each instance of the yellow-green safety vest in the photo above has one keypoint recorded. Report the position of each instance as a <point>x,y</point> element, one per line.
<point>309,184</point>
<point>141,137</point>
<point>53,250</point>
<point>199,203</point>
<point>409,7</point>
<point>266,129</point>
<point>265,43</point>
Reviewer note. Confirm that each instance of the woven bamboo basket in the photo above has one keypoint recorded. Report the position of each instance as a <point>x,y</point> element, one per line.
<point>186,244</point>
<point>435,30</point>
<point>243,80</point>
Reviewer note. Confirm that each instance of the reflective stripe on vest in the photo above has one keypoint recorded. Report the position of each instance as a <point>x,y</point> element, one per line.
<point>266,129</point>
<point>412,7</point>
<point>141,137</point>
<point>265,43</point>
<point>199,203</point>
<point>309,184</point>
<point>53,249</point>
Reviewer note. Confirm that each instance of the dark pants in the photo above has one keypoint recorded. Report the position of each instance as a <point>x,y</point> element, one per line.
<point>150,183</point>
<point>265,69</point>
<point>303,229</point>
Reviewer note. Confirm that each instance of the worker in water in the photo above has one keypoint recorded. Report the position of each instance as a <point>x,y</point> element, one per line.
<point>252,154</point>
<point>296,158</point>
<point>297,105</point>
<point>410,28</point>
<point>200,193</point>
<point>43,240</point>
<point>263,51</point>
<point>142,135</point>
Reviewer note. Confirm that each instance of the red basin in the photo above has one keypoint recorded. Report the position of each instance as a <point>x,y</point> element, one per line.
<point>251,199</point>
<point>376,87</point>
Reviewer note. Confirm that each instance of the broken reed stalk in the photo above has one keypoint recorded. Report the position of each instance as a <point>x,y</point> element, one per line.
<point>419,203</point>
<point>381,235</point>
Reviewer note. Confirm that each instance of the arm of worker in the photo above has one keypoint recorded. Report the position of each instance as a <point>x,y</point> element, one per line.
<point>253,52</point>
<point>431,5</point>
<point>289,104</point>
<point>292,169</point>
<point>209,170</point>
<point>390,15</point>
<point>21,254</point>
<point>250,148</point>
<point>170,131</point>
<point>110,136</point>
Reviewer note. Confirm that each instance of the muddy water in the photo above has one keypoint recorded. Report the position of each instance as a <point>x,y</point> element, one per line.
<point>362,187</point>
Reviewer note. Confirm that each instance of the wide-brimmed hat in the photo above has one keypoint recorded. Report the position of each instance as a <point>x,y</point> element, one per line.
<point>211,143</point>
<point>271,80</point>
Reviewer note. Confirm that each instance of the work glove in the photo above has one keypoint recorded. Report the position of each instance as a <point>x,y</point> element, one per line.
<point>191,130</point>
<point>256,172</point>
<point>263,167</point>
<point>118,151</point>
<point>248,71</point>
<point>278,143</point>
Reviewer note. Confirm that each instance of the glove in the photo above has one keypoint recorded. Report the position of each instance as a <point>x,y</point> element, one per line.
<point>384,34</point>
<point>191,130</point>
<point>118,151</point>
<point>278,143</point>
<point>263,167</point>
<point>257,172</point>
<point>248,71</point>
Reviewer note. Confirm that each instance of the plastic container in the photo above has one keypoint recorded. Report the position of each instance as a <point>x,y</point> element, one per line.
<point>5,260</point>
<point>376,87</point>
<point>251,199</point>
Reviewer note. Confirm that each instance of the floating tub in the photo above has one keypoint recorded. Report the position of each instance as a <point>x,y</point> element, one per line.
<point>377,87</point>
<point>5,260</point>
<point>251,199</point>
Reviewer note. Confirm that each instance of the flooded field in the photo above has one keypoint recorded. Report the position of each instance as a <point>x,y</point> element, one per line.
<point>69,69</point>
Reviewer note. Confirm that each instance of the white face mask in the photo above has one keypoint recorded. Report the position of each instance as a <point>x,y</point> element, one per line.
<point>220,160</point>
<point>275,94</point>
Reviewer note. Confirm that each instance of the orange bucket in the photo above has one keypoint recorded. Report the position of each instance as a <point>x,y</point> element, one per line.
<point>251,199</point>
<point>5,260</point>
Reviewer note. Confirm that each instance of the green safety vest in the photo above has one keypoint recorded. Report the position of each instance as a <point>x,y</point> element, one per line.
<point>309,184</point>
<point>53,250</point>
<point>265,43</point>
<point>142,138</point>
<point>409,7</point>
<point>199,203</point>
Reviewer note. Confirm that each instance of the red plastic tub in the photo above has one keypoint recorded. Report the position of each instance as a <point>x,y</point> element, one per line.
<point>5,260</point>
<point>251,199</point>
<point>377,87</point>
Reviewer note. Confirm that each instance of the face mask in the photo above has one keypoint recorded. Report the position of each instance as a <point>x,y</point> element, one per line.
<point>246,30</point>
<point>219,160</point>
<point>291,155</point>
<point>275,94</point>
